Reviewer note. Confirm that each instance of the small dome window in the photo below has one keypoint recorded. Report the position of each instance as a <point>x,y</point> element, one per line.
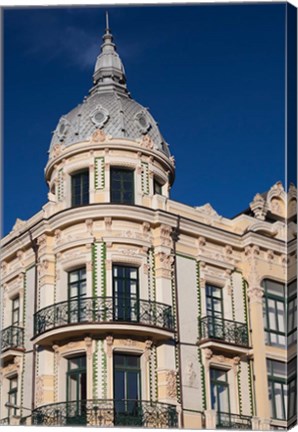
<point>142,121</point>
<point>99,116</point>
<point>62,129</point>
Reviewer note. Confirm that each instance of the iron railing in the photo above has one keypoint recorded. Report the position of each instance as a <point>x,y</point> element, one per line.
<point>103,310</point>
<point>107,412</point>
<point>12,337</point>
<point>232,332</point>
<point>233,421</point>
<point>4,421</point>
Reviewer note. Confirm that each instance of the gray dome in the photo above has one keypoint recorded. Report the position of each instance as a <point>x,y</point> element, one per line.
<point>108,107</point>
<point>116,114</point>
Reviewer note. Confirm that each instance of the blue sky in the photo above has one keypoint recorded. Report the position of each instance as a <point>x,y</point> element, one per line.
<point>212,76</point>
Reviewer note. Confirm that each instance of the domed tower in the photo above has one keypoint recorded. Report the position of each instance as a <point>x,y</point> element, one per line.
<point>109,148</point>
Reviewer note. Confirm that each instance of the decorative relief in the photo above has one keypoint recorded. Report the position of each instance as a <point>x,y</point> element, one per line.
<point>89,225</point>
<point>99,116</point>
<point>19,224</point>
<point>109,345</point>
<point>165,235</point>
<point>20,256</point>
<point>39,391</point>
<point>108,223</point>
<point>171,384</point>
<point>4,268</point>
<point>146,268</point>
<point>89,265</point>
<point>58,236</point>
<point>98,136</point>
<point>172,159</point>
<point>228,251</point>
<point>259,207</point>
<point>129,342</point>
<point>147,142</point>
<point>190,373</point>
<point>208,353</point>
<point>255,294</point>
<point>148,346</point>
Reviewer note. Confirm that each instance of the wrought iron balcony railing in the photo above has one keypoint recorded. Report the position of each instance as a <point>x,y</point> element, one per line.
<point>233,421</point>
<point>12,337</point>
<point>232,332</point>
<point>107,412</point>
<point>4,421</point>
<point>94,310</point>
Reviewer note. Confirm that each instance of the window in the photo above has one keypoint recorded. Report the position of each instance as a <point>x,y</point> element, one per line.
<point>292,313</point>
<point>15,312</point>
<point>274,313</point>
<point>122,186</point>
<point>220,394</point>
<point>76,385</point>
<point>214,309</point>
<point>77,290</point>
<point>127,389</point>
<point>80,188</point>
<point>282,388</point>
<point>125,293</point>
<point>157,187</point>
<point>13,395</point>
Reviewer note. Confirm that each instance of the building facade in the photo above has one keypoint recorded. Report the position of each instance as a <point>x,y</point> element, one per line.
<point>123,307</point>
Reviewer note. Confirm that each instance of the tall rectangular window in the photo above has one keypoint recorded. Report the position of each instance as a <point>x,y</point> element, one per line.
<point>77,291</point>
<point>157,187</point>
<point>220,393</point>
<point>80,188</point>
<point>15,312</point>
<point>122,186</point>
<point>214,309</point>
<point>292,313</point>
<point>13,395</point>
<point>274,313</point>
<point>125,293</point>
<point>76,385</point>
<point>127,389</point>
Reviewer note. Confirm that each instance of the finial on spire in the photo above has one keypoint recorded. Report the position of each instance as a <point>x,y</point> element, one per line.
<point>107,22</point>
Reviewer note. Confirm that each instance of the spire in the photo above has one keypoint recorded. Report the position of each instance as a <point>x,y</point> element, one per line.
<point>109,72</point>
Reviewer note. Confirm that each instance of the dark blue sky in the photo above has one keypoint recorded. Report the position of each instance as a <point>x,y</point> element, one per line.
<point>212,76</point>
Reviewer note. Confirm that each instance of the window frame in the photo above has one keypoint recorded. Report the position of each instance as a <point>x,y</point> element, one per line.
<point>129,299</point>
<point>277,299</point>
<point>13,393</point>
<point>225,383</point>
<point>79,298</point>
<point>84,196</point>
<point>291,330</point>
<point>15,310</point>
<point>157,182</point>
<point>121,190</point>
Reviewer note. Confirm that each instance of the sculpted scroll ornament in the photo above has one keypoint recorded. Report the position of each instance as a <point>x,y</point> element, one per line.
<point>255,294</point>
<point>109,345</point>
<point>147,142</point>
<point>39,390</point>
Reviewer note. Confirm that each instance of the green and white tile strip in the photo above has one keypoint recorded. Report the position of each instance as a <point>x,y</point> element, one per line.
<point>99,174</point>
<point>199,302</point>
<point>60,188</point>
<point>104,371</point>
<point>232,299</point>
<point>250,380</point>
<point>95,368</point>
<point>23,357</point>
<point>239,387</point>
<point>145,178</point>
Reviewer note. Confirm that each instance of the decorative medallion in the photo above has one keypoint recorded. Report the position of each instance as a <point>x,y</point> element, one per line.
<point>62,128</point>
<point>142,121</point>
<point>99,116</point>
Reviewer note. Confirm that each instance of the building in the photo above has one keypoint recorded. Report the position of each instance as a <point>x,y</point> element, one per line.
<point>123,307</point>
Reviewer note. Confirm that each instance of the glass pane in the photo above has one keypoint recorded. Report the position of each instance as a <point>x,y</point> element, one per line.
<point>73,291</point>
<point>133,273</point>
<point>279,369</point>
<point>119,385</point>
<point>132,385</point>
<point>272,314</point>
<point>214,404</point>
<point>73,276</point>
<point>83,288</point>
<point>292,288</point>
<point>281,316</point>
<point>133,361</point>
<point>223,395</point>
<point>119,360</point>
<point>278,400</point>
<point>83,386</point>
<point>275,288</point>
<point>72,387</point>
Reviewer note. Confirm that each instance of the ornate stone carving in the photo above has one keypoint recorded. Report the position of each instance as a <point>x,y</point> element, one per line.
<point>89,265</point>
<point>146,268</point>
<point>146,228</point>
<point>108,223</point>
<point>109,345</point>
<point>98,136</point>
<point>171,384</point>
<point>190,373</point>
<point>228,251</point>
<point>147,142</point>
<point>165,259</point>
<point>148,346</point>
<point>201,242</point>
<point>208,353</point>
<point>43,266</point>
<point>19,224</point>
<point>58,236</point>
<point>20,256</point>
<point>129,342</point>
<point>39,391</point>
<point>165,235</point>
<point>172,159</point>
<point>259,207</point>
<point>89,225</point>
<point>255,294</point>
<point>56,151</point>
<point>4,268</point>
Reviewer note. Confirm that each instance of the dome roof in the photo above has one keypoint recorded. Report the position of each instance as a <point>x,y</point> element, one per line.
<point>108,107</point>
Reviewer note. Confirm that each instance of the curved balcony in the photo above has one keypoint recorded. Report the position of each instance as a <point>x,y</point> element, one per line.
<point>107,412</point>
<point>12,340</point>
<point>213,330</point>
<point>233,421</point>
<point>92,314</point>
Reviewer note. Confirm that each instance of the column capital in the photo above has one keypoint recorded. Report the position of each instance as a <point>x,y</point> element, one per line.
<point>255,294</point>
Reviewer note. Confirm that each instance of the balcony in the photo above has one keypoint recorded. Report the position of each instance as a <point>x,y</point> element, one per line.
<point>107,412</point>
<point>12,338</point>
<point>103,313</point>
<point>4,421</point>
<point>219,331</point>
<point>233,421</point>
